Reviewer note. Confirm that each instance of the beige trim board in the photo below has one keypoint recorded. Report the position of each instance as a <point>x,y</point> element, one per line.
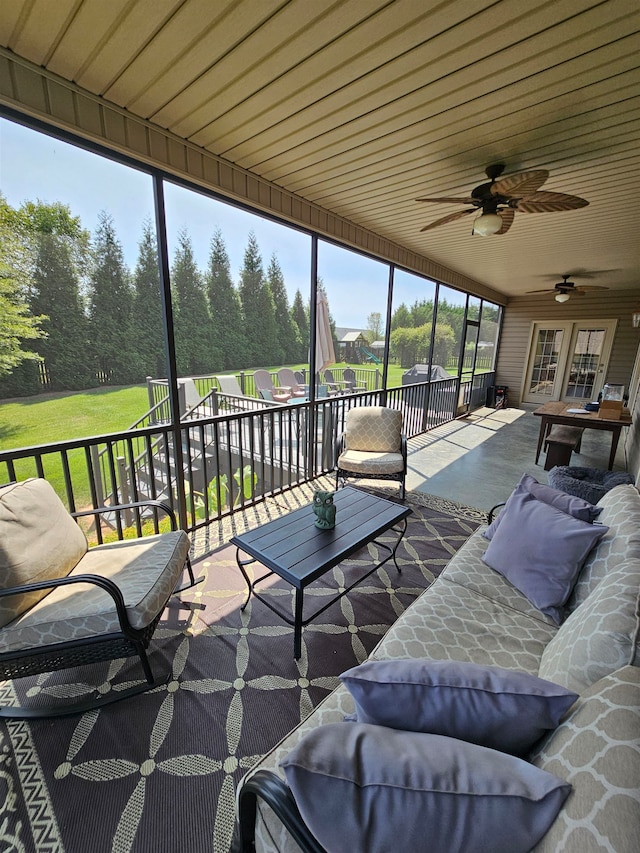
<point>39,94</point>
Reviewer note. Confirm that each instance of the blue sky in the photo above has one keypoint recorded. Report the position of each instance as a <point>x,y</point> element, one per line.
<point>35,166</point>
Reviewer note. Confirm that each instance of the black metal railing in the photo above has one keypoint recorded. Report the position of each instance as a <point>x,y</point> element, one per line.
<point>235,451</point>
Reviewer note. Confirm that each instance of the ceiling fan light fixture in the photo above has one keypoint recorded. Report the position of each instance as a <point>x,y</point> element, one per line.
<point>487,224</point>
<point>562,297</point>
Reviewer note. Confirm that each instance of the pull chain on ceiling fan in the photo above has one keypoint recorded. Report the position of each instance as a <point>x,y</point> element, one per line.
<point>498,201</point>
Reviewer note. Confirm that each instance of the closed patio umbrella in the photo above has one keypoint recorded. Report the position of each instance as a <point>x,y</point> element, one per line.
<point>325,354</point>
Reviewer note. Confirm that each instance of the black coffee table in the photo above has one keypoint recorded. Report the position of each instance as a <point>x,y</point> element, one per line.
<point>293,548</point>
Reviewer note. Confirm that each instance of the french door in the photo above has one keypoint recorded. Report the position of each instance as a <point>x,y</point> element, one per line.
<point>568,361</point>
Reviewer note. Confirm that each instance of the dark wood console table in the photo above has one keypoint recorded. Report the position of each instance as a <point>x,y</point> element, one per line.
<point>556,413</point>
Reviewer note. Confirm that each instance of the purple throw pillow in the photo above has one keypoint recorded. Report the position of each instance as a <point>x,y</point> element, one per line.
<point>369,789</point>
<point>540,550</point>
<point>499,708</point>
<point>572,505</point>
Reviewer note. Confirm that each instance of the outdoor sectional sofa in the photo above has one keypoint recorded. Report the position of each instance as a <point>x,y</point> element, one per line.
<point>473,614</point>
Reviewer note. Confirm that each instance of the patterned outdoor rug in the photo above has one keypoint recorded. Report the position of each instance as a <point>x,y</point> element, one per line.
<point>158,771</point>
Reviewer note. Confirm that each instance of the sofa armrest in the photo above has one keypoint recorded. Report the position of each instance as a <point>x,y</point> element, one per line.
<point>492,512</point>
<point>268,786</point>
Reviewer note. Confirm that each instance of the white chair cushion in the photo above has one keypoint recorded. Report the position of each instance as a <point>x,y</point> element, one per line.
<point>361,462</point>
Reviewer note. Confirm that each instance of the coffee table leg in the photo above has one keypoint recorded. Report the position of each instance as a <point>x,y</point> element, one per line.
<point>395,547</point>
<point>297,624</point>
<point>241,565</point>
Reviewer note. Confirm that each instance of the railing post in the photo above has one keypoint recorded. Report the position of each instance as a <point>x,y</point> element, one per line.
<point>97,475</point>
<point>125,493</point>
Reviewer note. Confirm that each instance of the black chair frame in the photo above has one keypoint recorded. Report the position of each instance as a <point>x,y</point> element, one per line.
<point>126,642</point>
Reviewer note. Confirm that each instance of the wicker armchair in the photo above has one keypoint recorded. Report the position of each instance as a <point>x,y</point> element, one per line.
<point>372,446</point>
<point>63,604</point>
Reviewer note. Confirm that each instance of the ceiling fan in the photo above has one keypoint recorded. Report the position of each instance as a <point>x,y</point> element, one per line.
<point>498,200</point>
<point>565,288</point>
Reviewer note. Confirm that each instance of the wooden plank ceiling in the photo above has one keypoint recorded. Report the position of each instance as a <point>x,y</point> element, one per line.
<point>361,106</point>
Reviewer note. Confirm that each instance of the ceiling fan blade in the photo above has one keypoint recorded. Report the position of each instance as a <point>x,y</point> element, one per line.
<point>450,218</point>
<point>507,215</point>
<point>544,290</point>
<point>547,202</point>
<point>522,184</point>
<point>585,287</point>
<point>449,200</point>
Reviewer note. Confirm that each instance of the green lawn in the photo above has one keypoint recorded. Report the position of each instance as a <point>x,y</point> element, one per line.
<point>49,418</point>
<point>46,419</point>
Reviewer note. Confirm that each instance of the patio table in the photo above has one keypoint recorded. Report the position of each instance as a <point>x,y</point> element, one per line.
<point>558,413</point>
<point>293,548</point>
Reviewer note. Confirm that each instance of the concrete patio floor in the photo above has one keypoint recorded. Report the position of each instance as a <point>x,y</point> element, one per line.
<point>477,460</point>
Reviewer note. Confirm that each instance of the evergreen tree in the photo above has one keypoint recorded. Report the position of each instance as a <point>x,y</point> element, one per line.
<point>147,309</point>
<point>56,294</point>
<point>261,330</point>
<point>225,308</point>
<point>401,318</point>
<point>195,352</point>
<point>288,332</point>
<point>300,316</point>
<point>111,308</point>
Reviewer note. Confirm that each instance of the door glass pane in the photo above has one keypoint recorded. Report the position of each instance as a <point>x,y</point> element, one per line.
<point>584,363</point>
<point>543,374</point>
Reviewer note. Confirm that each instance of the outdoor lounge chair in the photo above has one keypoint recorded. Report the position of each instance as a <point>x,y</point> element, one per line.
<point>335,386</point>
<point>372,446</point>
<point>230,385</point>
<point>269,391</point>
<point>349,375</point>
<point>63,604</point>
<point>287,379</point>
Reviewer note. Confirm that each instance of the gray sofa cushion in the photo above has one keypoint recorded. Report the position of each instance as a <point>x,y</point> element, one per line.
<point>369,789</point>
<point>601,635</point>
<point>621,514</point>
<point>451,622</point>
<point>597,750</point>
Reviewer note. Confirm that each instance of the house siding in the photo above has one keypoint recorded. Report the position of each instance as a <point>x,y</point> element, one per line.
<point>522,312</point>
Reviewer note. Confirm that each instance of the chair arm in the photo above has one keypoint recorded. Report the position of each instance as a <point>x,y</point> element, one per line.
<point>107,585</point>
<point>403,450</point>
<point>340,444</point>
<point>277,795</point>
<point>490,514</point>
<point>135,505</point>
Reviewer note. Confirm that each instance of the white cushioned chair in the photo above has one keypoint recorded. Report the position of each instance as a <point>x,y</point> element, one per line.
<point>63,604</point>
<point>372,446</point>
